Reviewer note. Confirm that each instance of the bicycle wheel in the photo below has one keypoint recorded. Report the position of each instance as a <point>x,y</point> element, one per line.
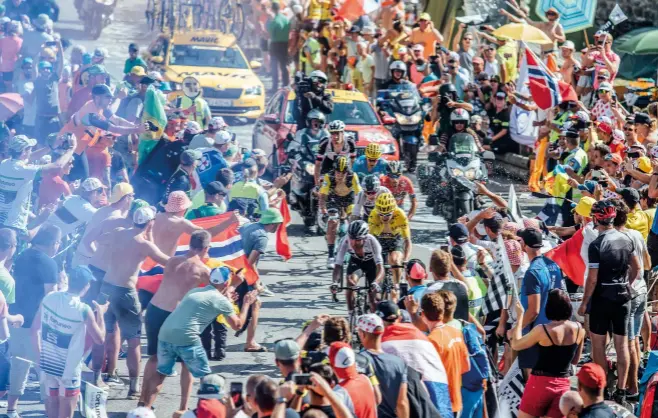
<point>238,22</point>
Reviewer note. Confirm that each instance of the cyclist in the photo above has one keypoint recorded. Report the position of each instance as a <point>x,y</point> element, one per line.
<point>370,163</point>
<point>333,147</point>
<point>390,226</point>
<point>365,200</point>
<point>400,186</point>
<point>309,139</point>
<point>337,193</point>
<point>365,256</point>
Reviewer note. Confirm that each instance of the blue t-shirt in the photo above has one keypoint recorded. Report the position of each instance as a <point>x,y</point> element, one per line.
<point>361,167</point>
<point>418,291</point>
<point>211,162</point>
<point>391,372</point>
<point>542,276</point>
<point>254,237</point>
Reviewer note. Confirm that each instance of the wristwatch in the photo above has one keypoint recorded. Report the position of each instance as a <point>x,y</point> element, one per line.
<point>281,399</point>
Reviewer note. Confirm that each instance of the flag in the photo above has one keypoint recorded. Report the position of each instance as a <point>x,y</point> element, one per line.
<point>543,84</point>
<point>354,9</point>
<point>551,213</point>
<point>415,349</point>
<point>226,246</point>
<point>513,207</point>
<point>154,112</point>
<point>430,88</point>
<point>567,256</point>
<point>282,243</point>
<point>502,281</point>
<point>617,15</point>
<point>510,392</point>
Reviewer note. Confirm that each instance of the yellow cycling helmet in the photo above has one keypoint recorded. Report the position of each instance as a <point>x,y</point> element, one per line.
<point>341,164</point>
<point>373,151</point>
<point>385,203</point>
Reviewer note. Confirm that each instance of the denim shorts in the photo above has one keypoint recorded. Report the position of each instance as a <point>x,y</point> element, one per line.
<point>194,357</point>
<point>638,307</point>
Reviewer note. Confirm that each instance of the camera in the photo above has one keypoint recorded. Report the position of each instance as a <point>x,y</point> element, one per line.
<point>633,154</point>
<point>311,357</point>
<point>303,83</point>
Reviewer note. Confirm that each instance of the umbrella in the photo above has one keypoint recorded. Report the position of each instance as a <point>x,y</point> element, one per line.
<point>644,43</point>
<point>522,32</point>
<point>10,104</point>
<point>575,15</point>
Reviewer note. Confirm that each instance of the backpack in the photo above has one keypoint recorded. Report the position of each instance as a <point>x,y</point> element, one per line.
<point>472,380</point>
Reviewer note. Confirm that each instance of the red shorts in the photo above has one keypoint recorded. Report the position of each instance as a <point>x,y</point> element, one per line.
<point>542,394</point>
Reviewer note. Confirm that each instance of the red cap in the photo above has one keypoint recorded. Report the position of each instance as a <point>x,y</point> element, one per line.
<point>592,376</point>
<point>210,408</point>
<point>615,158</point>
<point>417,272</point>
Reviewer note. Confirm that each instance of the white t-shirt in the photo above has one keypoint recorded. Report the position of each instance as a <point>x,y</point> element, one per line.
<point>16,182</point>
<point>63,331</point>
<point>639,287</point>
<point>75,211</point>
<point>589,235</point>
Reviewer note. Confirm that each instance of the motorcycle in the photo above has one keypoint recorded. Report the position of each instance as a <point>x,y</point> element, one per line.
<point>96,15</point>
<point>303,194</point>
<point>406,111</point>
<point>451,189</point>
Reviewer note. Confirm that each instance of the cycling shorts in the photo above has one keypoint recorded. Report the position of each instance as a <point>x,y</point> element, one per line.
<point>391,243</point>
<point>367,267</point>
<point>607,316</point>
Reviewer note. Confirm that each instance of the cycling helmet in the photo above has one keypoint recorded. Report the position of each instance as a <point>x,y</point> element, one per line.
<point>399,66</point>
<point>315,114</point>
<point>318,76</point>
<point>341,164</point>
<point>604,211</point>
<point>336,126</point>
<point>373,151</point>
<point>358,229</point>
<point>385,203</point>
<point>394,168</point>
<point>371,183</point>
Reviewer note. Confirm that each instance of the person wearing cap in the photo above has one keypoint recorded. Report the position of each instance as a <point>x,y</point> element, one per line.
<point>215,203</point>
<point>416,274</point>
<point>130,248</point>
<point>133,60</point>
<point>278,28</point>
<point>99,158</point>
<point>343,361</point>
<point>78,209</point>
<point>287,357</point>
<point>33,40</point>
<point>24,85</point>
<point>211,394</point>
<point>247,195</point>
<point>645,128</point>
<point>458,236</point>
<point>501,141</point>
<point>94,75</point>
<point>61,365</point>
<point>570,66</point>
<point>212,154</point>
<point>637,219</point>
<point>390,370</point>
<point>552,28</point>
<point>592,382</point>
<point>178,337</point>
<point>606,105</point>
<point>426,34</point>
<point>181,179</point>
<point>440,265</point>
<point>601,57</point>
<point>476,286</point>
<point>542,276</point>
<point>46,95</point>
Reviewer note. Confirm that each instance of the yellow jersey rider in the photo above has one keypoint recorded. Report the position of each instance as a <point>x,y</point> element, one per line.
<point>389,224</point>
<point>337,193</point>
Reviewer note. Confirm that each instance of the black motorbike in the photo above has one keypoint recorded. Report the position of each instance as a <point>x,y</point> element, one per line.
<point>450,184</point>
<point>96,15</point>
<point>303,195</point>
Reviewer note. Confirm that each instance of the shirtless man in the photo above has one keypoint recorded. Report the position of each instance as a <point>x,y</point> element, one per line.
<point>181,274</point>
<point>128,248</point>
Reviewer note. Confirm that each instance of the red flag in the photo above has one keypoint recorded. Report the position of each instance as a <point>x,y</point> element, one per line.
<point>567,256</point>
<point>282,243</point>
<point>567,92</point>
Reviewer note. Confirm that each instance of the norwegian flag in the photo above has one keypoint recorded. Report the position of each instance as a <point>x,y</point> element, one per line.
<point>543,85</point>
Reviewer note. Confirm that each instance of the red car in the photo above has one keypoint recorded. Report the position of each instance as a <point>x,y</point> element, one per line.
<point>352,107</point>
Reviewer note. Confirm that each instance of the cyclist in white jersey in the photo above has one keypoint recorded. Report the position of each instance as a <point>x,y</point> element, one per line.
<point>365,200</point>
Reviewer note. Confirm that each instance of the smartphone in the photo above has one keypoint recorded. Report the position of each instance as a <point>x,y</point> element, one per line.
<point>302,379</point>
<point>236,394</point>
<point>444,248</point>
<point>604,184</point>
<point>596,174</point>
<point>102,298</point>
<point>634,154</point>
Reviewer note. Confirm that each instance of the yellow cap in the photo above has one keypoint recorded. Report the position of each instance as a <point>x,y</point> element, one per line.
<point>425,16</point>
<point>119,191</point>
<point>138,70</point>
<point>644,165</point>
<point>584,206</point>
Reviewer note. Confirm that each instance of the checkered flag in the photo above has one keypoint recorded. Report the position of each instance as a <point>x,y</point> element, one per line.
<point>502,281</point>
<point>510,392</point>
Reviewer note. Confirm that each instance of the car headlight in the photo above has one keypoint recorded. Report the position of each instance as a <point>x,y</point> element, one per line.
<point>253,90</point>
<point>456,172</point>
<point>407,120</point>
<point>470,174</point>
<point>310,168</point>
<point>387,148</point>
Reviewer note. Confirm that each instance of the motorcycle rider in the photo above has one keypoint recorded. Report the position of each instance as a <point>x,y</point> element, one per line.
<point>316,98</point>
<point>310,138</point>
<point>448,102</point>
<point>398,71</point>
<point>365,200</point>
<point>459,123</point>
<point>400,186</point>
<point>337,192</point>
<point>371,162</point>
<point>333,147</point>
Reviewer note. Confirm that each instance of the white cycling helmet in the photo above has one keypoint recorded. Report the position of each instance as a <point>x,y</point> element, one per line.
<point>336,126</point>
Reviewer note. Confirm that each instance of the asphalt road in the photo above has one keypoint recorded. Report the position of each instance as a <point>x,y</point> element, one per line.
<point>300,285</point>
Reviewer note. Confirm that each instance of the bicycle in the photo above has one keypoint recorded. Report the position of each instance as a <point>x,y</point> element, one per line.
<point>360,308</point>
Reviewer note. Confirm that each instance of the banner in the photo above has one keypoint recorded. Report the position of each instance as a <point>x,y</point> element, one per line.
<point>93,401</point>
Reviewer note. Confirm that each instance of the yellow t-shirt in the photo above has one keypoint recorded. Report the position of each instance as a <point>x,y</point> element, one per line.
<point>398,225</point>
<point>639,221</point>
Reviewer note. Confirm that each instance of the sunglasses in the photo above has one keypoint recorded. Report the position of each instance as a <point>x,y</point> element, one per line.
<point>394,176</point>
<point>603,91</point>
<point>386,215</point>
<point>468,39</point>
<point>460,122</point>
<point>372,160</point>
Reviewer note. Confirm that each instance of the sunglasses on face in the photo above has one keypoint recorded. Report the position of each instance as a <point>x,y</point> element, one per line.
<point>394,176</point>
<point>372,193</point>
<point>386,215</point>
<point>468,39</point>
<point>372,160</point>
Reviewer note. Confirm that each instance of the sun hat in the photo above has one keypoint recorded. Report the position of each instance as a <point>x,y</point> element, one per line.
<point>79,277</point>
<point>177,202</point>
<point>119,191</point>
<point>584,206</point>
<point>270,216</point>
<point>138,70</point>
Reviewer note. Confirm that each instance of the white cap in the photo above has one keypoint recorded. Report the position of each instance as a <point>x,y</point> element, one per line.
<point>568,45</point>
<point>222,137</point>
<point>257,152</point>
<point>143,215</point>
<point>417,47</point>
<point>91,184</point>
<point>201,141</point>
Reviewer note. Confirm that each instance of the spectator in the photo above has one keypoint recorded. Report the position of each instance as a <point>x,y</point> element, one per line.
<point>279,30</point>
<point>591,386</point>
<point>46,96</point>
<point>215,203</point>
<point>343,362</point>
<point>441,265</point>
<point>366,68</point>
<point>8,244</point>
<point>133,59</point>
<point>10,47</point>
<point>426,35</point>
<point>34,40</point>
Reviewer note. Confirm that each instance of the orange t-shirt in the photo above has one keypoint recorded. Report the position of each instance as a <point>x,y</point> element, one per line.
<point>449,343</point>
<point>99,160</point>
<point>427,39</point>
<point>51,189</point>
<point>363,396</point>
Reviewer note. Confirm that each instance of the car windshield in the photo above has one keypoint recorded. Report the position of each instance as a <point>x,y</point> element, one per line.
<point>351,113</point>
<point>462,144</point>
<point>204,56</point>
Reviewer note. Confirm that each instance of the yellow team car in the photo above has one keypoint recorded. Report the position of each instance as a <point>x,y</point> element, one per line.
<point>229,83</point>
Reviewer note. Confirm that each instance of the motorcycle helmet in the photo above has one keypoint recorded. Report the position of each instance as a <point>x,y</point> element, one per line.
<point>373,151</point>
<point>385,203</point>
<point>318,77</point>
<point>371,183</point>
<point>341,164</point>
<point>394,169</point>
<point>604,212</point>
<point>315,114</point>
<point>448,91</point>
<point>459,116</point>
<point>398,66</point>
<point>336,126</point>
<point>358,229</point>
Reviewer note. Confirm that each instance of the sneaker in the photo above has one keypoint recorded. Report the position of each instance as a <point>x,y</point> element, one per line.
<point>219,355</point>
<point>331,262</point>
<point>114,379</point>
<point>123,354</point>
<point>265,292</point>
<point>635,398</point>
<point>12,414</point>
<point>619,396</point>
